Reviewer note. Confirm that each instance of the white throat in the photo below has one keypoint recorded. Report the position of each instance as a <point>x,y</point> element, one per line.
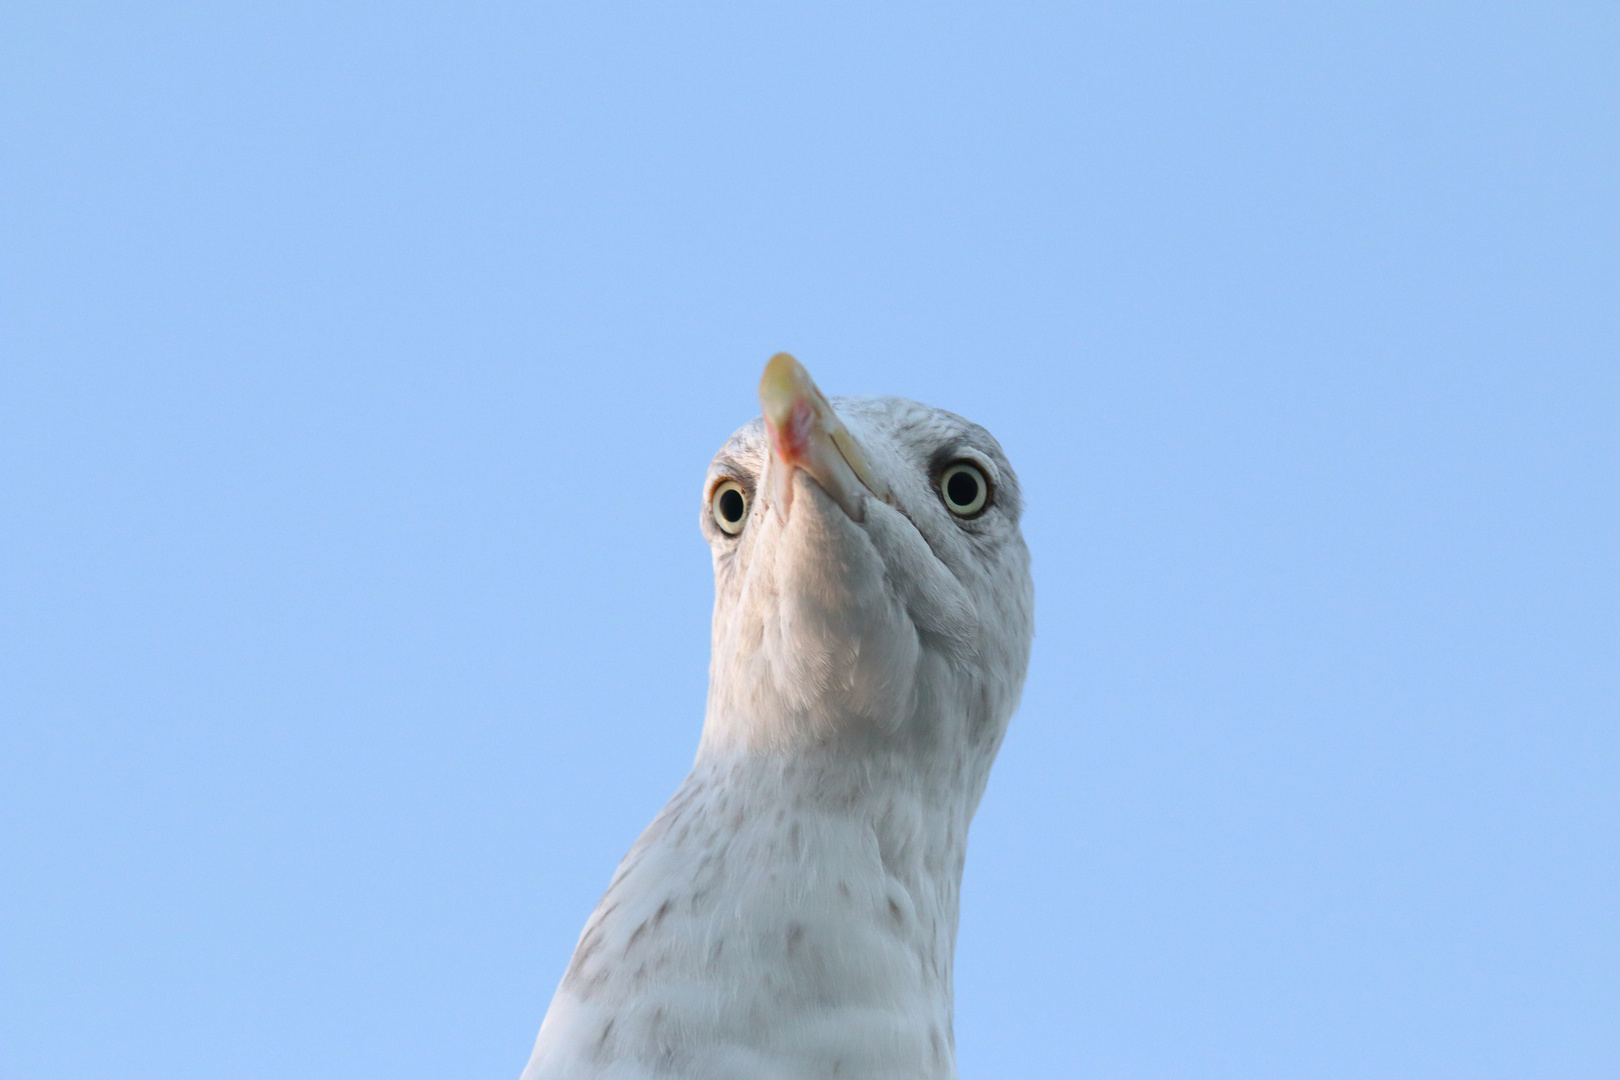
<point>783,908</point>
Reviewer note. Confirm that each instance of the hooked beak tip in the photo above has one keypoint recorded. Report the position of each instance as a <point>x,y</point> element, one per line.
<point>805,433</point>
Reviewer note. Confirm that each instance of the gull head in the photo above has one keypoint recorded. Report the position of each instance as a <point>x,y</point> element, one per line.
<point>872,586</point>
<point>792,911</point>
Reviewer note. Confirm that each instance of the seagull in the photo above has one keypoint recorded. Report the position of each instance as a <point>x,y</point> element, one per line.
<point>791,912</point>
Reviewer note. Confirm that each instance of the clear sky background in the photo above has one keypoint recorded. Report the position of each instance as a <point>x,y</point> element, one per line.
<point>361,364</point>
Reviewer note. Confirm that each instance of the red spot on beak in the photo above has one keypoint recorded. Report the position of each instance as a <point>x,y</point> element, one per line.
<point>791,439</point>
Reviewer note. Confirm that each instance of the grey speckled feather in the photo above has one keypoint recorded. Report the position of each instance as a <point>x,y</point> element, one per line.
<point>791,913</point>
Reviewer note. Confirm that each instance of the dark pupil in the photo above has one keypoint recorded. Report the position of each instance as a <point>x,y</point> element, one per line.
<point>963,488</point>
<point>731,505</point>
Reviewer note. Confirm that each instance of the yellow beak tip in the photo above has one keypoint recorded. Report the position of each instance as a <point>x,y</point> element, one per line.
<point>783,382</point>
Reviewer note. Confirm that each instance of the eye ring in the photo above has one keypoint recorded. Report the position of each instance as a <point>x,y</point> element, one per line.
<point>728,505</point>
<point>964,488</point>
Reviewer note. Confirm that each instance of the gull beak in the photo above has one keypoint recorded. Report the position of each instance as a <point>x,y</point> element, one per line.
<point>806,434</point>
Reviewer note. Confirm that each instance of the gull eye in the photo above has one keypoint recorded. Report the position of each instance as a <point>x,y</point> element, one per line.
<point>964,488</point>
<point>729,506</point>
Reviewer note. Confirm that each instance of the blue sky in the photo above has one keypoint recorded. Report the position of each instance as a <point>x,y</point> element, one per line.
<point>361,367</point>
